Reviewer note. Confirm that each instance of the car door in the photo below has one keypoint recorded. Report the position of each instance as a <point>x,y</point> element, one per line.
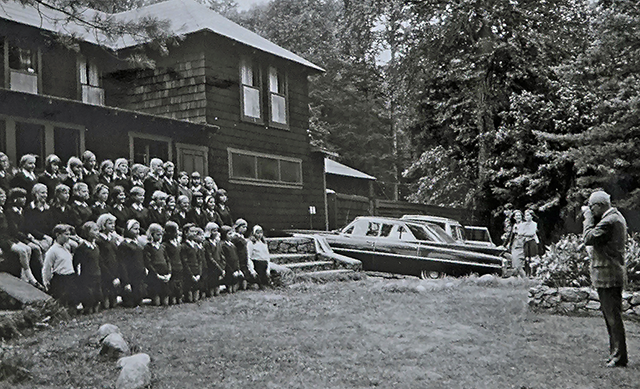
<point>357,241</point>
<point>395,250</point>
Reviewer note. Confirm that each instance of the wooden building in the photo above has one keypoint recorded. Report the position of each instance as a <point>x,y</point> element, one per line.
<point>224,101</point>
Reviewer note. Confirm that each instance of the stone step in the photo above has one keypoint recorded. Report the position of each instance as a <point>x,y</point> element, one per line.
<point>330,275</point>
<point>306,267</point>
<point>15,293</point>
<point>291,245</point>
<point>284,259</point>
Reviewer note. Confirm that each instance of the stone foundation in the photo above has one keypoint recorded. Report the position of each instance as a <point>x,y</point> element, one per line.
<point>578,300</point>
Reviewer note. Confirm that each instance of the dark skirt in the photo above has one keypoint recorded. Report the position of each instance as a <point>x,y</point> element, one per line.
<point>530,248</point>
<point>156,287</point>
<point>89,290</point>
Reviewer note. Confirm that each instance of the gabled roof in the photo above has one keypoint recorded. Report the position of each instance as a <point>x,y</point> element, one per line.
<point>333,167</point>
<point>186,16</point>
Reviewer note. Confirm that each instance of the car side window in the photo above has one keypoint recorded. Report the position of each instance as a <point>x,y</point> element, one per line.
<point>373,229</point>
<point>349,230</point>
<point>386,230</point>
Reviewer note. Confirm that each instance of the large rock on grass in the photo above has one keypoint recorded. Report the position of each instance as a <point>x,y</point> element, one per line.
<point>114,346</point>
<point>16,294</point>
<point>106,330</point>
<point>572,295</point>
<point>135,373</point>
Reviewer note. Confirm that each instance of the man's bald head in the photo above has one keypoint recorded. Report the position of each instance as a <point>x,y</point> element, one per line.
<point>599,202</point>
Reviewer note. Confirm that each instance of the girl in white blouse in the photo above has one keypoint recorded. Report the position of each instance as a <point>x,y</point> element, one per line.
<point>258,252</point>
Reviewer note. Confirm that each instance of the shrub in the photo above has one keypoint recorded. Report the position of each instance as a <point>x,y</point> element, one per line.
<point>566,262</point>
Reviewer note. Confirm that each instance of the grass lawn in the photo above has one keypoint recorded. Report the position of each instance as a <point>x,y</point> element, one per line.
<point>386,333</point>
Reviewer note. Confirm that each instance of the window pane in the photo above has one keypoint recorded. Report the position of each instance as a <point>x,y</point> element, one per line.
<point>24,82</point>
<point>66,143</point>
<point>82,70</point>
<point>246,73</point>
<point>94,74</point>
<point>243,166</point>
<point>251,102</point>
<point>146,149</point>
<point>373,229</point>
<point>30,140</point>
<point>268,169</point>
<point>386,229</point>
<point>22,59</point>
<point>3,136</point>
<point>278,109</point>
<point>273,80</point>
<point>290,171</point>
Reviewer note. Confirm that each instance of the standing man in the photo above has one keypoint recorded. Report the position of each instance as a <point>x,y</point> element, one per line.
<point>605,229</point>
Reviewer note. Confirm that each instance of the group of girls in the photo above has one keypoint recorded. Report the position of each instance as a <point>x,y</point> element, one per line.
<point>118,231</point>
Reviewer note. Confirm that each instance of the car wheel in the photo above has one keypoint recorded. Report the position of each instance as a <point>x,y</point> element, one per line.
<point>430,275</point>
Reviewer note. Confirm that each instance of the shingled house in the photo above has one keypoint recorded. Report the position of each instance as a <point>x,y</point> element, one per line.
<point>224,101</point>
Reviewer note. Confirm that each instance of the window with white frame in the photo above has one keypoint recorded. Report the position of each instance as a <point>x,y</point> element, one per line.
<point>264,169</point>
<point>23,69</point>
<point>277,96</point>
<point>251,90</point>
<point>90,83</point>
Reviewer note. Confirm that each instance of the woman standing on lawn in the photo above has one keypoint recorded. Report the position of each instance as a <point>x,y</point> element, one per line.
<point>529,231</point>
<point>517,244</point>
<point>258,252</point>
<point>86,262</point>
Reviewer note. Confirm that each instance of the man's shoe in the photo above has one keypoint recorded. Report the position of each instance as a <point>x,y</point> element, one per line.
<point>614,363</point>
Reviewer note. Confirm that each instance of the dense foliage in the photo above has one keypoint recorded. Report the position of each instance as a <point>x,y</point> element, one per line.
<point>566,262</point>
<point>485,104</point>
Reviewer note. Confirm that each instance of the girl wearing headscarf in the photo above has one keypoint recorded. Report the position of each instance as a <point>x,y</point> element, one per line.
<point>258,252</point>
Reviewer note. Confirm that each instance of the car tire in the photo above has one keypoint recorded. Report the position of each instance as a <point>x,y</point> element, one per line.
<point>430,275</point>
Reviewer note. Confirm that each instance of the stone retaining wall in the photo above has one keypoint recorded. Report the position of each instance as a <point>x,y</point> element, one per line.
<point>577,300</point>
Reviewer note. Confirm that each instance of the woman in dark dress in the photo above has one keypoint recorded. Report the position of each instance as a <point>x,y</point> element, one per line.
<point>108,242</point>
<point>60,209</point>
<point>86,262</point>
<point>25,177</point>
<point>118,208</point>
<point>80,210</point>
<point>171,243</point>
<point>131,255</point>
<point>51,176</point>
<point>222,208</point>
<point>158,265</point>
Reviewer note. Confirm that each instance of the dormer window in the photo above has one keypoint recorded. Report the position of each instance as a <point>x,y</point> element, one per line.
<point>277,97</point>
<point>90,81</point>
<point>250,91</point>
<point>23,69</point>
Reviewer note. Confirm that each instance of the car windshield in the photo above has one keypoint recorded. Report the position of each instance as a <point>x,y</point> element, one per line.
<point>441,233</point>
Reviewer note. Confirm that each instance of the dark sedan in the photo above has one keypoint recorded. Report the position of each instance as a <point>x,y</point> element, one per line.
<point>402,247</point>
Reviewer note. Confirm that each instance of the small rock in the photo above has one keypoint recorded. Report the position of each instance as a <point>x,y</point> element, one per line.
<point>636,310</point>
<point>487,279</point>
<point>625,305</point>
<point>572,295</point>
<point>114,346</point>
<point>420,289</point>
<point>107,329</point>
<point>635,299</point>
<point>566,306</point>
<point>626,295</point>
<point>593,305</point>
<point>135,372</point>
<point>552,299</point>
<point>593,295</point>
<point>550,292</point>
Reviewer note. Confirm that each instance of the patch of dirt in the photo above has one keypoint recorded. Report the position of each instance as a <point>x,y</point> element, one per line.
<point>377,332</point>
